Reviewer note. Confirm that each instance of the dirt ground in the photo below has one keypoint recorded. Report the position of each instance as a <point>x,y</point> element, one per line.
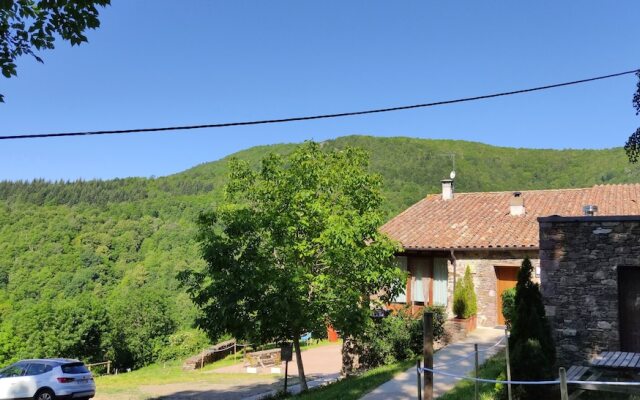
<point>320,362</point>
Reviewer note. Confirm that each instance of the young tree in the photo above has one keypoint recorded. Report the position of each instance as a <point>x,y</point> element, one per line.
<point>293,248</point>
<point>470,293</point>
<point>26,25</point>
<point>465,303</point>
<point>531,346</point>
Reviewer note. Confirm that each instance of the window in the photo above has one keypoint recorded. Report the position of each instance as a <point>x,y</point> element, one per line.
<point>13,370</point>
<point>417,291</point>
<point>74,368</point>
<point>440,278</point>
<point>37,369</point>
<point>402,264</point>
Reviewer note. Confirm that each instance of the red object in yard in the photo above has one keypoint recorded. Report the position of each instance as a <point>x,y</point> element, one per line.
<point>332,334</point>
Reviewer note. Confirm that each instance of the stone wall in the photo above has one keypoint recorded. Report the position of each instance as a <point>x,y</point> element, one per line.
<point>482,264</point>
<point>579,257</point>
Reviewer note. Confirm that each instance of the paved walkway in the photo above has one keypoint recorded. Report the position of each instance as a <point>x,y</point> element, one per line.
<point>404,385</point>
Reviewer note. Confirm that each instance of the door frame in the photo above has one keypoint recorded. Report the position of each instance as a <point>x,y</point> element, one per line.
<point>497,267</point>
<point>619,271</point>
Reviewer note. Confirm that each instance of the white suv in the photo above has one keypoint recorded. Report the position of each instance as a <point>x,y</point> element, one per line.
<point>47,379</point>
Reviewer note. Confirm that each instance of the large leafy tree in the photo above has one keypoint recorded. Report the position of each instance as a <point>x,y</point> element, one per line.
<point>28,25</point>
<point>293,248</point>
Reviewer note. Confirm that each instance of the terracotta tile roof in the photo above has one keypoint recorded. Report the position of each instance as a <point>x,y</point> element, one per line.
<point>483,220</point>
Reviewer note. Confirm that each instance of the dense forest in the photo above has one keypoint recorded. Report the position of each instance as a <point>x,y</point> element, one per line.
<point>88,269</point>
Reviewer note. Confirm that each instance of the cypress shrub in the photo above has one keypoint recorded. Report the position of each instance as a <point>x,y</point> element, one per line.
<point>470,293</point>
<point>531,346</point>
<point>464,297</point>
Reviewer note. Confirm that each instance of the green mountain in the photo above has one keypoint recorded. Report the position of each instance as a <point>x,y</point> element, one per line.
<point>88,268</point>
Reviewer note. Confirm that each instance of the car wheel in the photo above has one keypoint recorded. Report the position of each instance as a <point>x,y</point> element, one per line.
<point>44,394</point>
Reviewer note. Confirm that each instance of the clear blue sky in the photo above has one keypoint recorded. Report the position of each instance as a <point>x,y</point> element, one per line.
<point>161,62</point>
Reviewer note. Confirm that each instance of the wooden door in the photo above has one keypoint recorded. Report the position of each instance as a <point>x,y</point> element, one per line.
<point>629,308</point>
<point>506,278</point>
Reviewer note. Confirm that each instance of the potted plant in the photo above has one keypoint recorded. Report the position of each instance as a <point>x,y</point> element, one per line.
<point>465,304</point>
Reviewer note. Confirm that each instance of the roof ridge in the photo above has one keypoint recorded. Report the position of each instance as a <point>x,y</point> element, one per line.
<point>520,190</point>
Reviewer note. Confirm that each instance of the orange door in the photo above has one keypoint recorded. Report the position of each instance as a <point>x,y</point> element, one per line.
<point>506,279</point>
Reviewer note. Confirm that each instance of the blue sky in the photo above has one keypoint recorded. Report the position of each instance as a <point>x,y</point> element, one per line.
<point>160,62</point>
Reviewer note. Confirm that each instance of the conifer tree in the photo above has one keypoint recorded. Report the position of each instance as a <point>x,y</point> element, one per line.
<point>472,304</point>
<point>531,346</point>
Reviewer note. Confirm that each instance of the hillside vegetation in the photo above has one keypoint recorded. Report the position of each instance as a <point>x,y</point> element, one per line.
<point>88,268</point>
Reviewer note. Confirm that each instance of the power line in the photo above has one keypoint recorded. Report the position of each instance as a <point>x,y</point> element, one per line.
<point>308,118</point>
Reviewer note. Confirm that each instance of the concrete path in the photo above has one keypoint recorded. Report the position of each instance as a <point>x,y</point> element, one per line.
<point>447,359</point>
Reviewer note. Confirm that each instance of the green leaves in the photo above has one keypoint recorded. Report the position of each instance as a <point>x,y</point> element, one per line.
<point>294,247</point>
<point>29,25</point>
<point>632,146</point>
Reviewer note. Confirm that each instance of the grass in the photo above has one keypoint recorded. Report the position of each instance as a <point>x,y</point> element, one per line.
<point>172,372</point>
<point>465,389</point>
<point>354,387</point>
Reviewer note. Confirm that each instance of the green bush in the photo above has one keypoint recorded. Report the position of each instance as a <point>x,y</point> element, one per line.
<point>439,318</point>
<point>397,337</point>
<point>183,344</point>
<point>531,346</point>
<point>509,305</point>
<point>464,297</point>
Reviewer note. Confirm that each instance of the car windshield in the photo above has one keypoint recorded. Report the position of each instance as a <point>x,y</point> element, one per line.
<point>74,368</point>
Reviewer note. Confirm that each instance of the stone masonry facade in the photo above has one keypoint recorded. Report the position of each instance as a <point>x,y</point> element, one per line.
<point>579,258</point>
<point>482,265</point>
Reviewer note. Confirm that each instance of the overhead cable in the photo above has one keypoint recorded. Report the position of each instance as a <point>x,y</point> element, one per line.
<point>312,117</point>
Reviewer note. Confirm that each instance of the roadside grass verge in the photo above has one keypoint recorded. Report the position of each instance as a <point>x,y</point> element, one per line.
<point>354,387</point>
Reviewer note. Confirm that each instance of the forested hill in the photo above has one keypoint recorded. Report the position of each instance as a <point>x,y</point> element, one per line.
<point>88,268</point>
<point>411,168</point>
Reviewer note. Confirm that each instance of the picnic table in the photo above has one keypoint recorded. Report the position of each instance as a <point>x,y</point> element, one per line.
<point>264,358</point>
<point>616,360</point>
<point>622,364</point>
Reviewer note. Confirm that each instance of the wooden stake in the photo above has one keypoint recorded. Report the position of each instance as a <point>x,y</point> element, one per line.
<point>419,383</point>
<point>427,350</point>
<point>506,337</point>
<point>564,392</point>
<point>475,349</point>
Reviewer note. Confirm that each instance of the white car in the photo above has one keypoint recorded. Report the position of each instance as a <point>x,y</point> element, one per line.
<point>48,379</point>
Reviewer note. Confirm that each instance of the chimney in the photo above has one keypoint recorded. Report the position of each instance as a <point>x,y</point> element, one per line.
<point>516,204</point>
<point>590,209</point>
<point>447,189</point>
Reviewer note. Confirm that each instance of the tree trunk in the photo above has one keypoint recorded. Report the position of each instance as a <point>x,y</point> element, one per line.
<point>303,379</point>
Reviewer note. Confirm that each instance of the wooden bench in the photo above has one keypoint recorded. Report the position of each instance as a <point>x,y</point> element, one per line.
<point>264,358</point>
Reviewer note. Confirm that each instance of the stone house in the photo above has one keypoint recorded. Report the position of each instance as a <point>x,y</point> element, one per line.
<point>491,232</point>
<point>591,281</point>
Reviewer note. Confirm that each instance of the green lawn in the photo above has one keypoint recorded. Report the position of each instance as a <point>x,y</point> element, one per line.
<point>171,372</point>
<point>465,389</point>
<point>354,387</point>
